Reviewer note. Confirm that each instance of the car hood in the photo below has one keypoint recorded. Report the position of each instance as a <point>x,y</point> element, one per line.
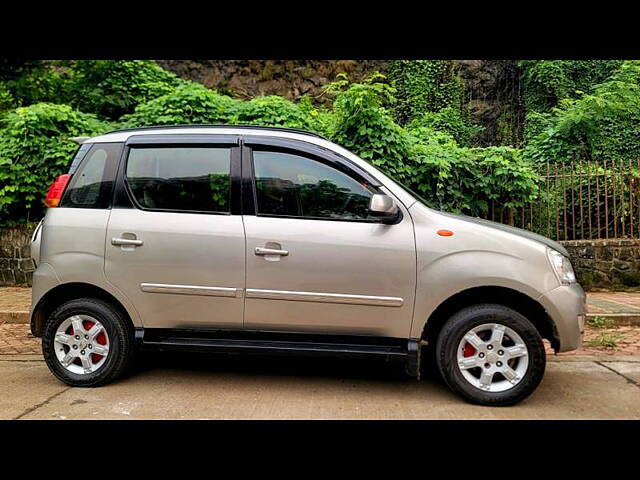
<point>514,230</point>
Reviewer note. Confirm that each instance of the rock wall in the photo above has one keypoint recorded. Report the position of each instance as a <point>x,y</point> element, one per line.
<point>287,78</point>
<point>606,264</point>
<point>491,87</point>
<point>16,266</point>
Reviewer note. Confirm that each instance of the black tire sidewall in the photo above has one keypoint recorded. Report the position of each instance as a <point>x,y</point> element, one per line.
<point>470,317</point>
<point>117,331</point>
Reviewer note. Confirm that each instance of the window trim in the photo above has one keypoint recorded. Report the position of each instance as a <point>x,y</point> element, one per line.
<point>249,173</point>
<point>208,142</point>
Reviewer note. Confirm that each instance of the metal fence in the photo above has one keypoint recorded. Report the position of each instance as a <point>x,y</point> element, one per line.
<point>581,200</point>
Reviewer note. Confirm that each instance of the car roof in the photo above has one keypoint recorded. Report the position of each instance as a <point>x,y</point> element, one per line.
<point>125,133</point>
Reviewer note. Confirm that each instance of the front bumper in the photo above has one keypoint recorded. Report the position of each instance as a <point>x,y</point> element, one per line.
<point>567,307</point>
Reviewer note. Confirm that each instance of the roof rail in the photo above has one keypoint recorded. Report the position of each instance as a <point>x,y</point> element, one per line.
<point>204,125</point>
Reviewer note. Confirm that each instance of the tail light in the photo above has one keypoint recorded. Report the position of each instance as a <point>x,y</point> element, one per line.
<point>56,190</point>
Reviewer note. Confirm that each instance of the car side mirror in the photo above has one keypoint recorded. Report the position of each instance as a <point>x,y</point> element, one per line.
<point>383,207</point>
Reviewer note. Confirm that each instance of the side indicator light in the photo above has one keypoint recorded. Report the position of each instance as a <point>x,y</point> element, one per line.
<point>445,233</point>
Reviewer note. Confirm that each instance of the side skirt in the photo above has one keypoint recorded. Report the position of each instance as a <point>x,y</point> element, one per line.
<point>277,343</point>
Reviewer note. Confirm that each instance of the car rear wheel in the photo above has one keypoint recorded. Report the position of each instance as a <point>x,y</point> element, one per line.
<point>491,355</point>
<point>87,343</point>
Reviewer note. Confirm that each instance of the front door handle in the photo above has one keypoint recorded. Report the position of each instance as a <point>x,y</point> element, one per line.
<point>271,251</point>
<point>126,241</point>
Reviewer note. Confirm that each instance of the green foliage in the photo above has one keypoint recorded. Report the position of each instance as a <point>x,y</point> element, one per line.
<point>34,149</point>
<point>466,180</point>
<point>547,82</point>
<point>449,120</point>
<point>186,104</point>
<point>41,82</point>
<point>424,86</point>
<point>112,88</point>
<point>363,125</point>
<point>10,69</point>
<point>413,128</point>
<point>6,99</point>
<point>427,160</point>
<point>605,340</point>
<point>598,321</point>
<point>602,124</point>
<point>271,111</point>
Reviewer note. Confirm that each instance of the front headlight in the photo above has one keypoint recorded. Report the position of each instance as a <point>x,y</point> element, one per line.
<point>562,267</point>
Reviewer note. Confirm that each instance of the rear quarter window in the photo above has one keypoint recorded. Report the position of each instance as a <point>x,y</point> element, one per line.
<point>91,185</point>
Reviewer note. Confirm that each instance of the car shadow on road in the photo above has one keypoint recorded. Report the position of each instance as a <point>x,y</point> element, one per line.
<point>275,365</point>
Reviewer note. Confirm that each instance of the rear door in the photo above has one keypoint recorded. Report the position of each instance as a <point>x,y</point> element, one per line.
<point>175,240</point>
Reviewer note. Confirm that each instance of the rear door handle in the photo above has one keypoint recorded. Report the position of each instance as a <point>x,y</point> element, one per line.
<point>126,241</point>
<point>271,251</point>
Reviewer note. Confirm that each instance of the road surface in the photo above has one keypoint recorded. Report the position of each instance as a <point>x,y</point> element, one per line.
<point>234,387</point>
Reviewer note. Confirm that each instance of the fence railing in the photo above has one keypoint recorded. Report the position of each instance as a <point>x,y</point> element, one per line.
<point>581,200</point>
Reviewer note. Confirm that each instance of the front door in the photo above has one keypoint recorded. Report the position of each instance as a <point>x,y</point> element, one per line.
<point>317,261</point>
<point>178,250</point>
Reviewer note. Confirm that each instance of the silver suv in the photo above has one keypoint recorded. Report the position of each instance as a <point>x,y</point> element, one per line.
<point>268,240</point>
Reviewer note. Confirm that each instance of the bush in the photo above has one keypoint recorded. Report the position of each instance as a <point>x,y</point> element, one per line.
<point>188,103</point>
<point>427,160</point>
<point>602,124</point>
<point>112,88</point>
<point>547,82</point>
<point>34,149</point>
<point>448,120</point>
<point>363,125</point>
<point>466,180</point>
<point>41,82</point>
<point>272,111</point>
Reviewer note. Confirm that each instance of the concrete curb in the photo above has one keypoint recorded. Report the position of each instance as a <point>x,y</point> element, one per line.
<point>594,358</point>
<point>13,317</point>
<point>22,357</point>
<point>622,319</point>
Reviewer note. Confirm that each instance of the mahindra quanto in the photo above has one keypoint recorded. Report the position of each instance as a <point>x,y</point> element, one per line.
<point>270,240</point>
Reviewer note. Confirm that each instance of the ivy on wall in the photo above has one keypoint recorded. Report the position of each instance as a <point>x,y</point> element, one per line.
<point>602,124</point>
<point>423,86</point>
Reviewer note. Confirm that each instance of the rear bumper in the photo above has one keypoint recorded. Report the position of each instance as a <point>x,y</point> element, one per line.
<point>567,307</point>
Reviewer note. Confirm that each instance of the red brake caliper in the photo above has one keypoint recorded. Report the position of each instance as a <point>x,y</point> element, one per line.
<point>469,351</point>
<point>101,339</point>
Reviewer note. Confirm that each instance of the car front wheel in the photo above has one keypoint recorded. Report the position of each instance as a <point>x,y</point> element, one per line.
<point>491,355</point>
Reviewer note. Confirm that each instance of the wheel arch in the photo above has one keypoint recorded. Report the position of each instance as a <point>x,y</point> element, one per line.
<point>69,291</point>
<point>505,296</point>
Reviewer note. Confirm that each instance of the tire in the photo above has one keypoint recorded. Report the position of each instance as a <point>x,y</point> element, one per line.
<point>118,338</point>
<point>451,350</point>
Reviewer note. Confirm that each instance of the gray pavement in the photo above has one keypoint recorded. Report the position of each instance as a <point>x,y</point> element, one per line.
<point>228,387</point>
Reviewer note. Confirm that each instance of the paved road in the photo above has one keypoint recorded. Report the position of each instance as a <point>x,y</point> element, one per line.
<point>197,387</point>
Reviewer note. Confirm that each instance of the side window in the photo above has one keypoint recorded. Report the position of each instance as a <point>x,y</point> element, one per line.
<point>297,186</point>
<point>92,183</point>
<point>181,178</point>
